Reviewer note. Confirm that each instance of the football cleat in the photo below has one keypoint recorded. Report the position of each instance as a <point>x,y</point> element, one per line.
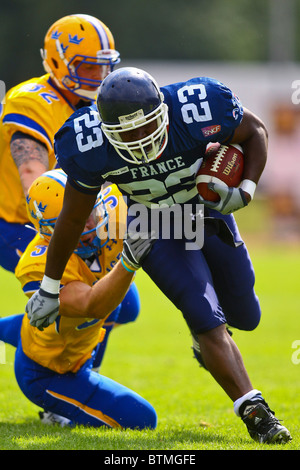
<point>47,417</point>
<point>262,424</point>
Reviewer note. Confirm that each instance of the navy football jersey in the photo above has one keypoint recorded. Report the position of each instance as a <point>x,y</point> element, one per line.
<point>201,110</point>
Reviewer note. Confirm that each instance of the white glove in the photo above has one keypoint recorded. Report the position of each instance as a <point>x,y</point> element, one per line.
<point>231,199</point>
<point>135,249</point>
<point>42,309</point>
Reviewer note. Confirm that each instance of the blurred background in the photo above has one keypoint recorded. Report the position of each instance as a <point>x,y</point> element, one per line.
<point>253,46</point>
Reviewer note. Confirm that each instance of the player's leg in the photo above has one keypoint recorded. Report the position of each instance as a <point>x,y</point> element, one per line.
<point>85,398</point>
<point>223,359</point>
<point>10,328</point>
<point>187,275</point>
<point>14,238</point>
<point>184,277</point>
<point>234,278</point>
<point>126,312</point>
<point>100,349</point>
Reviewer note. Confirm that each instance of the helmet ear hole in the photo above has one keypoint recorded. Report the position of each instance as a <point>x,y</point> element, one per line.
<point>45,200</point>
<point>54,62</point>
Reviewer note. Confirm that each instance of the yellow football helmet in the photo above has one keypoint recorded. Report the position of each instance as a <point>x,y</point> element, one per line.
<point>75,42</point>
<point>44,203</point>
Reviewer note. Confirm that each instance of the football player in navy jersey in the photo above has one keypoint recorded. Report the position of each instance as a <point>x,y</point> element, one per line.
<point>151,142</point>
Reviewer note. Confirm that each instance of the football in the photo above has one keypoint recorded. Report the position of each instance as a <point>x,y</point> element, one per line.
<point>223,164</point>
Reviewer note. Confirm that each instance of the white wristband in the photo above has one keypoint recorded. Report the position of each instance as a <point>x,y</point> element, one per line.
<point>249,187</point>
<point>50,285</point>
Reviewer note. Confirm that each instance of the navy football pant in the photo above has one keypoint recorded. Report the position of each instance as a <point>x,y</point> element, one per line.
<point>211,286</point>
<point>234,278</point>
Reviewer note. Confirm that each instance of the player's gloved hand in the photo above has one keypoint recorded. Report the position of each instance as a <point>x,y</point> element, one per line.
<point>231,199</point>
<point>135,249</point>
<point>42,309</point>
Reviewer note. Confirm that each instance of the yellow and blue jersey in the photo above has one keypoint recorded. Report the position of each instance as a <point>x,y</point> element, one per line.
<point>37,108</point>
<point>67,344</point>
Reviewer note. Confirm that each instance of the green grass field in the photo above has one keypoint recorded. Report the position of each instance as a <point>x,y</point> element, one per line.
<point>153,356</point>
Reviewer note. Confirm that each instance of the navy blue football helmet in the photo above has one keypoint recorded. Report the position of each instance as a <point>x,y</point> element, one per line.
<point>129,99</point>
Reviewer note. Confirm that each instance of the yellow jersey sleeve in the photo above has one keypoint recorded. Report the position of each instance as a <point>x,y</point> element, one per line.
<point>38,109</point>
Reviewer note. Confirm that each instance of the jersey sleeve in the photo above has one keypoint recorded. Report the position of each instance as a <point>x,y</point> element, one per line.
<point>31,266</point>
<point>27,113</point>
<point>78,150</point>
<point>227,113</point>
<point>204,110</point>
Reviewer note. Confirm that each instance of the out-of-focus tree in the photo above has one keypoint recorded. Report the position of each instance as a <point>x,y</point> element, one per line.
<point>208,30</point>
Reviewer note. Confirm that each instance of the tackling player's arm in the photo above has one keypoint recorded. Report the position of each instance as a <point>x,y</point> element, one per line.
<point>78,299</point>
<point>44,306</point>
<point>30,157</point>
<point>252,135</point>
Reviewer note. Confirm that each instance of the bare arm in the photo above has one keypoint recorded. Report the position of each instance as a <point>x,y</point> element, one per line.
<point>253,137</point>
<point>98,301</point>
<point>68,228</point>
<point>80,300</point>
<point>31,159</point>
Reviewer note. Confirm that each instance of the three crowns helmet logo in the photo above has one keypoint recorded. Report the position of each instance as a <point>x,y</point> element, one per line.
<point>72,39</point>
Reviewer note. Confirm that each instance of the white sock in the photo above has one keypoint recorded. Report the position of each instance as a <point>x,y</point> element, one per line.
<point>245,397</point>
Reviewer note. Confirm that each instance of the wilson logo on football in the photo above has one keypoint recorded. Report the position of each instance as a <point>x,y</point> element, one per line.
<point>210,130</point>
<point>223,164</point>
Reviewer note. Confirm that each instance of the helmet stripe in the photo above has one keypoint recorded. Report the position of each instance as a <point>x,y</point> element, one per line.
<point>103,37</point>
<point>57,175</point>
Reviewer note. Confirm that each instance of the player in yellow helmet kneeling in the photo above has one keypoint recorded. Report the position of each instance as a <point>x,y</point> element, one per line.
<point>54,364</point>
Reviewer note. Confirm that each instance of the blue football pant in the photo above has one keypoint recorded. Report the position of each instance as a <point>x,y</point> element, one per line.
<point>86,397</point>
<point>126,312</point>
<point>211,286</point>
<point>14,239</point>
